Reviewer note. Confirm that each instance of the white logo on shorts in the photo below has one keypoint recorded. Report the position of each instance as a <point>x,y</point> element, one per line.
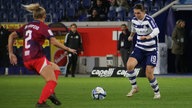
<point>132,52</point>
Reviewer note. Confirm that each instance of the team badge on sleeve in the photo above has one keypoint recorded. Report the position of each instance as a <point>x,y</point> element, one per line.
<point>50,32</point>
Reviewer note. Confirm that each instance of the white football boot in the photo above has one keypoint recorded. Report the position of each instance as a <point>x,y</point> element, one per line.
<point>157,95</point>
<point>133,91</point>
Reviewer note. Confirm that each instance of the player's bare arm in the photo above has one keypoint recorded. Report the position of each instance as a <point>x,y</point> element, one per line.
<point>12,56</point>
<point>56,43</point>
<point>130,38</point>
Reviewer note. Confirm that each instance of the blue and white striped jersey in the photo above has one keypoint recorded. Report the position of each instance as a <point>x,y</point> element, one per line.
<point>145,27</point>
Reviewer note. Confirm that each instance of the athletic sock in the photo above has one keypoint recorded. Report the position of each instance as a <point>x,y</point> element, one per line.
<point>154,85</point>
<point>132,78</point>
<point>57,73</point>
<point>47,91</point>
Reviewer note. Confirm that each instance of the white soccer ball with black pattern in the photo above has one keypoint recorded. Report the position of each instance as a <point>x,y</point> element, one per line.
<point>98,93</point>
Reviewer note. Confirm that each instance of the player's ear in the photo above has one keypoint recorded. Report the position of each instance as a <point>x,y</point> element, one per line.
<point>44,16</point>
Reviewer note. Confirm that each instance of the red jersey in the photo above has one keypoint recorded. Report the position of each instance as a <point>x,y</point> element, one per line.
<point>34,34</point>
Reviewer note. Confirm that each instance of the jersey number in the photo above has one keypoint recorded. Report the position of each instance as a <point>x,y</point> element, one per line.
<point>153,59</point>
<point>28,35</point>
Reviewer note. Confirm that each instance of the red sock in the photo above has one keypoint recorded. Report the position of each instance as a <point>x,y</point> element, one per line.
<point>57,72</point>
<point>47,91</point>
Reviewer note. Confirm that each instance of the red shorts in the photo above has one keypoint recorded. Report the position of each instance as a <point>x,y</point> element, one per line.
<point>37,64</point>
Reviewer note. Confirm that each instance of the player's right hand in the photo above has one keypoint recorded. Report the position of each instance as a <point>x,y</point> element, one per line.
<point>130,38</point>
<point>73,51</point>
<point>13,58</point>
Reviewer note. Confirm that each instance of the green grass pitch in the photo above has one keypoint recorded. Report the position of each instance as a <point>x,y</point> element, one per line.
<point>24,91</point>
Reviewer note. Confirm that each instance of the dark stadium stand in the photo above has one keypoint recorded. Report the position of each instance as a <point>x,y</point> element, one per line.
<point>69,10</point>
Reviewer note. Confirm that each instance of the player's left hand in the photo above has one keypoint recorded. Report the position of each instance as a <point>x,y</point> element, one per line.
<point>72,50</point>
<point>13,59</point>
<point>145,37</point>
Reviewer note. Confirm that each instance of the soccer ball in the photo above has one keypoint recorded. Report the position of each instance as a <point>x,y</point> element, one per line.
<point>98,93</point>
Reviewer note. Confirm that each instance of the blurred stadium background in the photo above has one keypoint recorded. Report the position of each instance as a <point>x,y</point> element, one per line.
<point>100,47</point>
<point>20,89</point>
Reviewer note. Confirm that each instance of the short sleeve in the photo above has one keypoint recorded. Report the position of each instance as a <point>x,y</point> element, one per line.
<point>20,31</point>
<point>132,27</point>
<point>47,32</point>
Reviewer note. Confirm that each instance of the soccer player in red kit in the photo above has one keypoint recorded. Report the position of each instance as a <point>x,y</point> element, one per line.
<point>34,35</point>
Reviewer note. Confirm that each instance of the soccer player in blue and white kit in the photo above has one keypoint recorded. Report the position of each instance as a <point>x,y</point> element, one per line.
<point>145,49</point>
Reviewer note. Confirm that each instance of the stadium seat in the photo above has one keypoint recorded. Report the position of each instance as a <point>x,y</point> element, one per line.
<point>4,17</point>
<point>59,5</point>
<point>152,11</point>
<point>127,19</point>
<point>111,15</point>
<point>22,15</point>
<point>63,1</point>
<point>112,8</point>
<point>130,2</point>
<point>67,4</point>
<point>48,18</point>
<point>28,1</point>
<point>83,17</point>
<point>70,12</point>
<point>13,17</point>
<point>37,1</point>
<point>129,16</point>
<point>49,10</point>
<point>158,4</point>
<point>77,4</point>
<point>1,20</point>
<point>155,9</point>
<point>22,19</point>
<point>11,6</point>
<point>86,4</point>
<point>167,2</point>
<point>138,2</point>
<point>150,2</point>
<point>55,17</point>
<point>121,13</point>
<point>131,13</point>
<point>51,6</point>
<point>29,17</point>
<point>148,5</point>
<point>120,16</point>
<point>60,13</point>
<point>3,7</point>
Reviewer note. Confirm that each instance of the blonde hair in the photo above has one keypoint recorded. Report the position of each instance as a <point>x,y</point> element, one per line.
<point>36,9</point>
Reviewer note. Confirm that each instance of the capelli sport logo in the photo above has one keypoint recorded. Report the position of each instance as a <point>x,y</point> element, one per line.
<point>60,58</point>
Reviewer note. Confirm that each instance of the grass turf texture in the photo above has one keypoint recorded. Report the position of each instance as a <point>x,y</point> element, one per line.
<point>24,91</point>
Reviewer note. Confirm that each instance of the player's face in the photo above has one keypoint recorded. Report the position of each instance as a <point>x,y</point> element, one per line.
<point>139,14</point>
<point>73,29</point>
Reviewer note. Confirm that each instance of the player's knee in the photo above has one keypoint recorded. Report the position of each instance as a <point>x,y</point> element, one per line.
<point>132,62</point>
<point>56,67</point>
<point>51,79</point>
<point>149,74</point>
